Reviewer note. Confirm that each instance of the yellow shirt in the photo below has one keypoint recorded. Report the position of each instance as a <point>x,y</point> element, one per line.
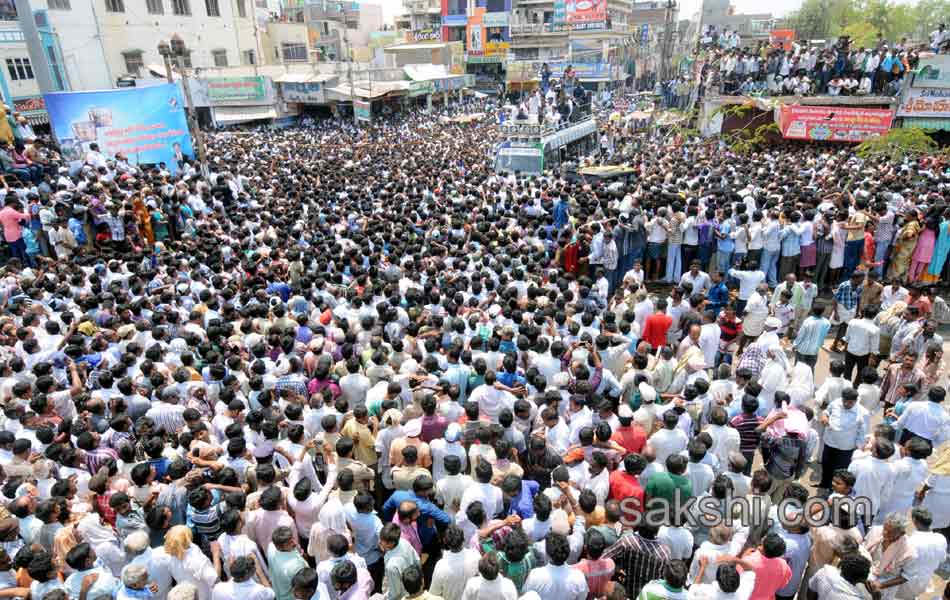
<point>364,443</point>
<point>858,218</point>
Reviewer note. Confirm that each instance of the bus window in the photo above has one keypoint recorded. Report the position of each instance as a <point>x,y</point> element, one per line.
<point>521,162</point>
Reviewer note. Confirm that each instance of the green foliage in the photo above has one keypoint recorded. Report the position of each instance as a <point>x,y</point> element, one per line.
<point>864,19</point>
<point>897,145</point>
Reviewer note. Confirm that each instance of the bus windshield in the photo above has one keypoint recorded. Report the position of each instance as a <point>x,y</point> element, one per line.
<point>519,160</point>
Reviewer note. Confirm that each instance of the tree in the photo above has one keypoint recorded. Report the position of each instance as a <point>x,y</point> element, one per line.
<point>861,34</point>
<point>898,144</point>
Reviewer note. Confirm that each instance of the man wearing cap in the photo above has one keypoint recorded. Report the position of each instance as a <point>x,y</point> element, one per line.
<point>411,431</point>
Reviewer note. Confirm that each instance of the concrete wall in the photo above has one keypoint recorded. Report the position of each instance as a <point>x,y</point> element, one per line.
<point>93,40</point>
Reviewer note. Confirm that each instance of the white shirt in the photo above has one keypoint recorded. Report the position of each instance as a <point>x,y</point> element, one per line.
<point>701,476</point>
<point>678,540</point>
<point>560,582</point>
<point>874,478</point>
<point>452,572</point>
<point>501,588</point>
<point>830,585</point>
<point>700,282</point>
<point>863,337</point>
<point>747,281</point>
<point>725,441</point>
<point>846,428</point>
<point>667,442</point>
<point>712,591</point>
<point>927,419</point>
<point>486,493</point>
<point>246,590</point>
<point>931,550</point>
<point>450,489</point>
<point>440,448</point>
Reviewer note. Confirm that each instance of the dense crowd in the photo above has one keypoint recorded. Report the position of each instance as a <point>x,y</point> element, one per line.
<point>356,361</point>
<point>803,69</point>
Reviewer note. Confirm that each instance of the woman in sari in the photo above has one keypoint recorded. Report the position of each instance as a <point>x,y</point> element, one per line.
<point>923,251</point>
<point>144,218</point>
<point>904,247</point>
<point>932,363</point>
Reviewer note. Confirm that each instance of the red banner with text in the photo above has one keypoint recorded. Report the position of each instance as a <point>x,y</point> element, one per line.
<point>833,123</point>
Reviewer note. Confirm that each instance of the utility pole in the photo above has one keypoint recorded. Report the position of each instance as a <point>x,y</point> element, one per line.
<point>667,48</point>
<point>349,73</point>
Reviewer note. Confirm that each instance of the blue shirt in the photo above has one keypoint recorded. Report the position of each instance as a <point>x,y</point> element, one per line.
<point>427,510</point>
<point>791,241</point>
<point>510,379</point>
<point>718,294</point>
<point>523,504</point>
<point>726,244</point>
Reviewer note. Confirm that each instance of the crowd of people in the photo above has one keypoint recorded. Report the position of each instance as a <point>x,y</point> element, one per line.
<point>839,69</point>
<point>356,361</point>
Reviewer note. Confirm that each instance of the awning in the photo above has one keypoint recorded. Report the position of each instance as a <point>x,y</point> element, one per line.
<point>926,123</point>
<point>378,90</point>
<point>229,115</point>
<point>40,117</point>
<point>293,78</point>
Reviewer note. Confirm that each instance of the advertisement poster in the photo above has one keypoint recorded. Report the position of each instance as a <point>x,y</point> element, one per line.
<point>928,102</point>
<point>582,12</point>
<point>456,57</point>
<point>833,123</point>
<point>147,124</point>
<point>233,89</point>
<point>560,12</point>
<point>431,34</point>
<point>782,37</point>
<point>364,110</point>
<point>933,72</point>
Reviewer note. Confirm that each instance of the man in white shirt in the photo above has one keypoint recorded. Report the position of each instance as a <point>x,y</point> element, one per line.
<point>354,384</point>
<point>445,446</point>
<point>482,491</point>
<point>490,583</point>
<point>456,567</point>
<point>452,485</point>
<point>557,580</point>
<point>930,549</point>
<point>863,340</point>
<point>874,476</point>
<point>670,440</point>
<point>928,420</point>
<point>847,581</point>
<point>697,278</point>
<point>242,584</point>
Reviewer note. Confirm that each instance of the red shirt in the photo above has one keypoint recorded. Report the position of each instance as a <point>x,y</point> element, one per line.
<point>655,328</point>
<point>771,575</point>
<point>623,485</point>
<point>633,438</point>
<point>598,573</point>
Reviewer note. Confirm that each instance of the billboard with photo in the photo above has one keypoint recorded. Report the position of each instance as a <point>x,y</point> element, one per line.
<point>147,124</point>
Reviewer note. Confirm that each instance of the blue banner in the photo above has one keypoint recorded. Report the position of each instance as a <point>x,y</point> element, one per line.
<point>147,124</point>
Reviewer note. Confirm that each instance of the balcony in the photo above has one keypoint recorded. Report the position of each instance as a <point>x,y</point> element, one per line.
<point>563,28</point>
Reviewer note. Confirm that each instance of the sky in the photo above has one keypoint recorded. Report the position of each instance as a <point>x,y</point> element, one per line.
<point>779,8</point>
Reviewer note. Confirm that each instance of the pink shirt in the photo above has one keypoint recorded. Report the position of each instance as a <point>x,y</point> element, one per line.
<point>771,575</point>
<point>10,219</point>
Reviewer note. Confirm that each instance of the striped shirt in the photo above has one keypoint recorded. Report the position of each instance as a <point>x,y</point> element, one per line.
<point>811,335</point>
<point>598,573</point>
<point>746,426</point>
<point>640,559</point>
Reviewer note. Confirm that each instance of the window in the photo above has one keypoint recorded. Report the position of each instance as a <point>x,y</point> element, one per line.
<point>115,6</point>
<point>186,60</point>
<point>133,62</point>
<point>220,58</point>
<point>294,52</point>
<point>242,8</point>
<point>55,69</point>
<point>250,58</point>
<point>181,7</point>
<point>212,7</point>
<point>59,5</point>
<point>19,68</point>
<point>155,7</point>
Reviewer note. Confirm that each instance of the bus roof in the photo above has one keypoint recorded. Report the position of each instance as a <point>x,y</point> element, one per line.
<point>569,134</point>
